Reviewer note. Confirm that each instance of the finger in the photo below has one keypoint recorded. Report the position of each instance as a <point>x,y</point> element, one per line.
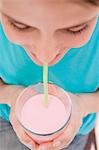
<point>22,135</point>
<point>62,142</point>
<point>46,146</point>
<point>65,139</point>
<point>18,128</point>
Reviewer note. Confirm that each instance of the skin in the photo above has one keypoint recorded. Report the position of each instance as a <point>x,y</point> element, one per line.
<point>43,40</point>
<point>47,36</point>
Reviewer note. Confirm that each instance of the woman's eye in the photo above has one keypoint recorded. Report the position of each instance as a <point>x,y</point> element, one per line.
<point>23,28</point>
<point>19,27</point>
<point>76,32</point>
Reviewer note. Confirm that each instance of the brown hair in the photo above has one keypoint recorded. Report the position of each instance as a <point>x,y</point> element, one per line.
<point>92,2</point>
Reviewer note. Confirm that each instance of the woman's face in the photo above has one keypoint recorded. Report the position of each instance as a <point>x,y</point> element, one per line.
<point>47,29</point>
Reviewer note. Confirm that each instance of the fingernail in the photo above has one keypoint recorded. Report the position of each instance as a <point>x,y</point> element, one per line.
<point>56,144</point>
<point>43,148</point>
<point>30,146</point>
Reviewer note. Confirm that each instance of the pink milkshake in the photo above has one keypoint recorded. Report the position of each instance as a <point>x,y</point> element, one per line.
<point>43,123</point>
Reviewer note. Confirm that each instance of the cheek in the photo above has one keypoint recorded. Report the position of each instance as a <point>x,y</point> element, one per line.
<point>82,39</point>
<point>11,34</point>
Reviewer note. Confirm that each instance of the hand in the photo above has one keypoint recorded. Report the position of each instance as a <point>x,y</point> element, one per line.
<point>73,126</point>
<point>21,134</point>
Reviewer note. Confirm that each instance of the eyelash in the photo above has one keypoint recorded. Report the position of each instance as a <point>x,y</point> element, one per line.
<point>17,28</point>
<point>79,31</point>
<point>67,30</point>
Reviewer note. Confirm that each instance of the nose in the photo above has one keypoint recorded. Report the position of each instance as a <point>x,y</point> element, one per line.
<point>46,53</point>
<point>46,50</point>
<point>46,47</point>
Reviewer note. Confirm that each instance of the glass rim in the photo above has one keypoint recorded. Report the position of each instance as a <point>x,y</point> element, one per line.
<point>63,126</point>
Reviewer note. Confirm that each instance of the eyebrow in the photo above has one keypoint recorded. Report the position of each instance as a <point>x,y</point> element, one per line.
<point>12,19</point>
<point>22,23</point>
<point>90,2</point>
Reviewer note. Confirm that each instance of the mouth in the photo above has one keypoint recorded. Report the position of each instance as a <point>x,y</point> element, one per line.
<point>38,62</point>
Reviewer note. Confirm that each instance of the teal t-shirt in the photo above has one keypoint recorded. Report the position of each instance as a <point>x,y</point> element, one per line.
<point>76,72</point>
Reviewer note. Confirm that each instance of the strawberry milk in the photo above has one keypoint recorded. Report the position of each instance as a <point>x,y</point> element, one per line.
<point>38,118</point>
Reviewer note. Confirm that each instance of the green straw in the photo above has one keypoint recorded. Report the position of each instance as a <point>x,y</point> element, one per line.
<point>45,81</point>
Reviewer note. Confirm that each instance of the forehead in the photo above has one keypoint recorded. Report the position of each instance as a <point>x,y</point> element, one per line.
<point>48,13</point>
<point>46,2</point>
<point>30,5</point>
<point>33,1</point>
<point>45,9</point>
<point>25,4</point>
<point>85,3</point>
<point>82,2</point>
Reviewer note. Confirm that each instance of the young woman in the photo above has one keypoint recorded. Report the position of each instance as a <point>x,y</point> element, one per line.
<point>65,34</point>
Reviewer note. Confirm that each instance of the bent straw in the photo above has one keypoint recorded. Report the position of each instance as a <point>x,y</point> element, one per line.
<point>45,81</point>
